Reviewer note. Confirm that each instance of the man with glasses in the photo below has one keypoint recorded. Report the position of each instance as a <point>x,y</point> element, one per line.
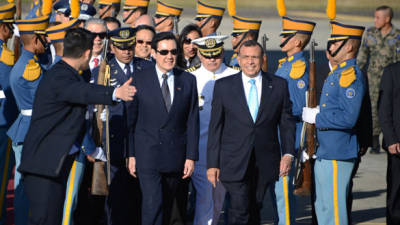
<point>8,109</point>
<point>24,80</point>
<point>98,28</point>
<point>122,191</point>
<point>133,9</point>
<point>109,8</point>
<point>144,36</point>
<point>209,201</point>
<point>243,29</point>
<point>61,11</point>
<point>166,17</point>
<point>163,123</point>
<point>208,18</point>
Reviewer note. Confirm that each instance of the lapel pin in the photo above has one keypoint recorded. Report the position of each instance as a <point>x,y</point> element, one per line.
<point>178,88</point>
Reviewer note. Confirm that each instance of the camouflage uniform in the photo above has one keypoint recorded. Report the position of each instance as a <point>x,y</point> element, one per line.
<point>380,51</point>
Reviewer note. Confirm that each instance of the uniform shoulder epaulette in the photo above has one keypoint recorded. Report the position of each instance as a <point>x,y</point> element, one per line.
<point>347,77</point>
<point>234,67</point>
<point>32,71</point>
<point>298,69</point>
<point>193,68</point>
<point>7,56</point>
<point>281,61</point>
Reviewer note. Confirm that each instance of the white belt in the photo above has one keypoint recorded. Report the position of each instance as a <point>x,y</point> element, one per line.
<point>26,112</point>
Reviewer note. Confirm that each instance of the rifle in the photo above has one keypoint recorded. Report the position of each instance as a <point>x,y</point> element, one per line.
<point>101,178</point>
<point>265,58</point>
<point>176,30</point>
<point>302,180</point>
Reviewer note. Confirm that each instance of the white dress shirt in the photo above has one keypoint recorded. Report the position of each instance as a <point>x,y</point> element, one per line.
<point>170,81</point>
<point>91,62</point>
<point>247,85</point>
<point>122,65</point>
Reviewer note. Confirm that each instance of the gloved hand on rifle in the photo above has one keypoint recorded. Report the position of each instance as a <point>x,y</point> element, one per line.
<point>309,114</point>
<point>103,115</point>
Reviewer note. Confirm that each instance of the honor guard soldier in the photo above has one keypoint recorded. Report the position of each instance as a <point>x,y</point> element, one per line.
<point>60,12</point>
<point>109,8</point>
<point>335,120</point>
<point>209,201</point>
<point>294,69</point>
<point>34,11</point>
<point>8,109</point>
<point>123,189</point>
<point>133,9</point>
<point>87,11</point>
<point>208,18</point>
<point>380,47</point>
<point>166,17</point>
<point>243,29</point>
<point>24,80</point>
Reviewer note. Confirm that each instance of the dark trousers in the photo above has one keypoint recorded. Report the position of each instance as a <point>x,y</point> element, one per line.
<point>246,197</point>
<point>393,190</point>
<point>46,195</point>
<point>123,201</point>
<point>158,194</point>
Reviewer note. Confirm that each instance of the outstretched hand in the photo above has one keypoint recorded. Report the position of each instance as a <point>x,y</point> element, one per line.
<point>126,91</point>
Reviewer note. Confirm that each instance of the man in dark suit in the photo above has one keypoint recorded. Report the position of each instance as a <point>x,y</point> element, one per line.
<point>243,145</point>
<point>163,123</point>
<point>389,117</point>
<point>58,126</point>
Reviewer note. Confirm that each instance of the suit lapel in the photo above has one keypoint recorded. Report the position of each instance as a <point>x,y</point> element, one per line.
<point>153,84</point>
<point>265,94</point>
<point>241,96</point>
<point>118,73</point>
<point>178,88</point>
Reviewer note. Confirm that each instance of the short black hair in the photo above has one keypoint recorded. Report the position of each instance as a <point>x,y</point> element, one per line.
<point>388,8</point>
<point>110,19</point>
<point>145,27</point>
<point>76,42</point>
<point>251,43</point>
<point>161,37</point>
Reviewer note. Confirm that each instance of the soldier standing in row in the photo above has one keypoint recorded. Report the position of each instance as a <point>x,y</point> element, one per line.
<point>8,109</point>
<point>208,18</point>
<point>380,47</point>
<point>166,17</point>
<point>209,201</point>
<point>294,69</point>
<point>133,9</point>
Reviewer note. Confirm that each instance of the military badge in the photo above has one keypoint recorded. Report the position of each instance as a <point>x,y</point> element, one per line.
<point>210,43</point>
<point>301,84</point>
<point>201,102</point>
<point>350,92</point>
<point>124,34</point>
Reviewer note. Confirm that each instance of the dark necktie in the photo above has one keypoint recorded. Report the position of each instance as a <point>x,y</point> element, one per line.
<point>128,70</point>
<point>165,92</point>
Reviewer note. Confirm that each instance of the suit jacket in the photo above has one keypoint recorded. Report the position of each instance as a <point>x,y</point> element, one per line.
<point>58,119</point>
<point>160,140</point>
<point>389,107</point>
<point>233,135</point>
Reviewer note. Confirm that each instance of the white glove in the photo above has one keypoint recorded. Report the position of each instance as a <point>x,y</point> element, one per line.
<point>99,154</point>
<point>309,114</point>
<point>304,157</point>
<point>103,115</point>
<point>15,30</point>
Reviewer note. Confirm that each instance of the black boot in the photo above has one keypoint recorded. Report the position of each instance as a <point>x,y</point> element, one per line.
<point>376,148</point>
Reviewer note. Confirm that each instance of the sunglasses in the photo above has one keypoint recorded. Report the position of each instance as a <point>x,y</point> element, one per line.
<point>187,41</point>
<point>165,52</point>
<point>143,42</point>
<point>236,34</point>
<point>101,35</point>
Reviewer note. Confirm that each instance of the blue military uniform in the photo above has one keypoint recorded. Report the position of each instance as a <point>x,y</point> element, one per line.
<point>340,103</point>
<point>34,12</point>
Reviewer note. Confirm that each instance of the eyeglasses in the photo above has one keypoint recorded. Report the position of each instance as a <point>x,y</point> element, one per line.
<point>187,41</point>
<point>101,35</point>
<point>165,52</point>
<point>235,34</point>
<point>143,42</point>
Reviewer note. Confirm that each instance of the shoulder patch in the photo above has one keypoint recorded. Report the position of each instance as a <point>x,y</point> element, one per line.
<point>235,67</point>
<point>7,56</point>
<point>347,77</point>
<point>193,68</point>
<point>298,69</point>
<point>32,71</point>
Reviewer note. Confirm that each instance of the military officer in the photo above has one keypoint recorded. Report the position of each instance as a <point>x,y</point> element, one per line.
<point>24,79</point>
<point>209,201</point>
<point>8,109</point>
<point>109,8</point>
<point>294,69</point>
<point>208,18</point>
<point>380,47</point>
<point>166,16</point>
<point>335,120</point>
<point>243,29</point>
<point>60,12</point>
<point>123,188</point>
<point>133,9</point>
